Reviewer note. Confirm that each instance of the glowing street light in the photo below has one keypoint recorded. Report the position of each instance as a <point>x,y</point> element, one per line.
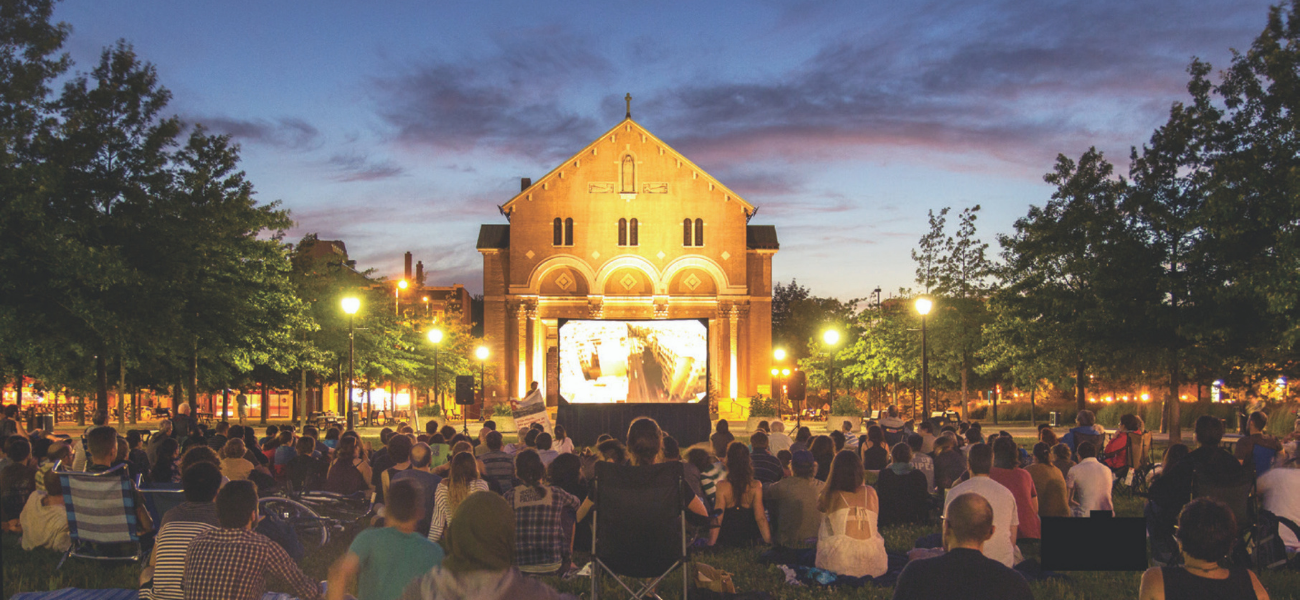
<point>779,354</point>
<point>831,337</point>
<point>923,306</point>
<point>397,296</point>
<point>351,305</point>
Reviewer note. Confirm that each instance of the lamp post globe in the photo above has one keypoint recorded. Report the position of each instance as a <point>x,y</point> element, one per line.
<point>779,354</point>
<point>923,306</point>
<point>832,339</point>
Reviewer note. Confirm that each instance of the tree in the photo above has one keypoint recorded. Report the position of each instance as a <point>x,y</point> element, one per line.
<point>928,255</point>
<point>963,271</point>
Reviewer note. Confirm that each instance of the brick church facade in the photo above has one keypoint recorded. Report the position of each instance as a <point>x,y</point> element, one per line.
<point>627,228</point>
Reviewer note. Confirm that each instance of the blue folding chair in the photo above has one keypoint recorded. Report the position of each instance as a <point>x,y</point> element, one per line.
<point>101,515</point>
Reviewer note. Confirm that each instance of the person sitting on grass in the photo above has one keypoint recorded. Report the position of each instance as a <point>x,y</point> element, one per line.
<point>303,470</point>
<point>540,543</point>
<point>963,571</point>
<point>721,440</point>
<point>164,467</point>
<point>902,490</point>
<point>233,464</point>
<point>1062,459</point>
<point>480,545</point>
<point>739,518</point>
<point>399,450</point>
<point>920,460</point>
<point>767,469</point>
<point>349,473</point>
<point>793,503</point>
<point>710,472</point>
<point>383,560</point>
<point>101,442</point>
<point>562,443</point>
<point>166,569</point>
<point>17,482</point>
<point>1206,533</point>
<point>498,465</point>
<point>423,475</point>
<point>1048,484</point>
<point>45,519</point>
<point>544,448</point>
<point>875,454</point>
<point>232,562</point>
<point>462,480</point>
<point>949,462</point>
<point>1257,450</point>
<point>1089,484</point>
<point>1002,546</point>
<point>925,429</point>
<point>823,449</point>
<point>1006,471</point>
<point>849,542</point>
<point>777,440</point>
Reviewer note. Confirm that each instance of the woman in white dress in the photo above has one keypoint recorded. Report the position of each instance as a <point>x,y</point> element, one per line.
<point>848,542</point>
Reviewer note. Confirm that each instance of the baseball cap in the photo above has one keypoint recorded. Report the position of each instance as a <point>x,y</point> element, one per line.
<point>802,457</point>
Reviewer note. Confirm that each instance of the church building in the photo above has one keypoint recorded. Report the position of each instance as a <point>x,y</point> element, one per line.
<point>627,228</point>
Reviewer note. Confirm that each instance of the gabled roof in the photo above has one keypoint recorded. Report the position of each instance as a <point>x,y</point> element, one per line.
<point>638,128</point>
<point>761,237</point>
<point>493,237</point>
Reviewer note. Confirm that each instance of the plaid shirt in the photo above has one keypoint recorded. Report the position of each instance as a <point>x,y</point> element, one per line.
<point>231,564</point>
<point>539,540</point>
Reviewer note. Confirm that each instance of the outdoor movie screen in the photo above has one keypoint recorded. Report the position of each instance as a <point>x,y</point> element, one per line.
<point>634,361</point>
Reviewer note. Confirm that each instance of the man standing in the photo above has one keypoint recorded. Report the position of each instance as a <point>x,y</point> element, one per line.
<point>231,563</point>
<point>964,571</point>
<point>241,406</point>
<point>1002,546</point>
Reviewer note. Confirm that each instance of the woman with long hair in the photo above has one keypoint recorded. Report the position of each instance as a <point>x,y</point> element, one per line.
<point>875,454</point>
<point>823,451</point>
<point>541,543</point>
<point>562,443</point>
<point>740,519</point>
<point>848,542</point>
<point>462,480</point>
<point>644,444</point>
<point>349,473</point>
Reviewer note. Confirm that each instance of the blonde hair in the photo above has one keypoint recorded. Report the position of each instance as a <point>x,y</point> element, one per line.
<point>464,470</point>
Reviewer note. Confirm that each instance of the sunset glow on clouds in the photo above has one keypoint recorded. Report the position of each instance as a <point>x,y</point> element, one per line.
<point>401,126</point>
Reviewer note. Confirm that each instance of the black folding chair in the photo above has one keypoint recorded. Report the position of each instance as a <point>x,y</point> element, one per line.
<point>639,527</point>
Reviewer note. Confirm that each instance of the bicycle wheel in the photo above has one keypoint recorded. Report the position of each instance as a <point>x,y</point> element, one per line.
<point>313,530</point>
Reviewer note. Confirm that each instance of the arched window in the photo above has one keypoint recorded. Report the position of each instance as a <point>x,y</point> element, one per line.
<point>627,175</point>
<point>686,232</point>
<point>568,232</point>
<point>632,237</point>
<point>699,232</point>
<point>557,232</point>
<point>622,232</point>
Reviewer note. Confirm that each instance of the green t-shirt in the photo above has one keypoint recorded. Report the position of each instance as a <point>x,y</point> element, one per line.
<point>439,455</point>
<point>390,559</point>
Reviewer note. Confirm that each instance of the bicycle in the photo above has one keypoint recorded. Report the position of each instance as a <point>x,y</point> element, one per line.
<point>317,517</point>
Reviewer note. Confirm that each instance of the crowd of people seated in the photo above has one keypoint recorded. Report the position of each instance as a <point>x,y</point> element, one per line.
<point>528,504</point>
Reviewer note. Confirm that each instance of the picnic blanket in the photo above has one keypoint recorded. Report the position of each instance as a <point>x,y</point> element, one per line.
<point>110,594</point>
<point>800,568</point>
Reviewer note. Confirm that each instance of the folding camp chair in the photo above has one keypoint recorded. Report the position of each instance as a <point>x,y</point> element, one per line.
<point>101,515</point>
<point>639,527</point>
<point>160,498</point>
<point>1098,441</point>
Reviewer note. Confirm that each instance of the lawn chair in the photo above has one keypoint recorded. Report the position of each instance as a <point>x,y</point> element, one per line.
<point>160,498</point>
<point>101,515</point>
<point>1098,441</point>
<point>639,527</point>
<point>1239,496</point>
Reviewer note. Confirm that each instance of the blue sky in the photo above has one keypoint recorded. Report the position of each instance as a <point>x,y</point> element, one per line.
<point>400,126</point>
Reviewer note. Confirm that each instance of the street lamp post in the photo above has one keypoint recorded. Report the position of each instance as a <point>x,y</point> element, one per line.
<point>778,357</point>
<point>923,306</point>
<point>482,354</point>
<point>397,297</point>
<point>435,338</point>
<point>350,306</point>
<point>832,338</point>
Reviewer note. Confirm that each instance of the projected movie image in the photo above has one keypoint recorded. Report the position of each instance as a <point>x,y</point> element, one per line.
<point>634,361</point>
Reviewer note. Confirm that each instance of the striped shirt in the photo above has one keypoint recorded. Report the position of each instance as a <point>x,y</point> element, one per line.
<point>442,506</point>
<point>709,482</point>
<point>169,557</point>
<point>499,468</point>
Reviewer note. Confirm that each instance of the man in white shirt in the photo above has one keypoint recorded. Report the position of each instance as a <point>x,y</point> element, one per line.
<point>1002,546</point>
<point>1281,491</point>
<point>778,440</point>
<point>1088,484</point>
<point>926,429</point>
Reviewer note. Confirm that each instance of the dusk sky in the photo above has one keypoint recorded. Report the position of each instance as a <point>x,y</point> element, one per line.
<point>399,126</point>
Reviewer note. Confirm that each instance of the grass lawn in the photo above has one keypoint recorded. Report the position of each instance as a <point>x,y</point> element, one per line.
<point>34,571</point>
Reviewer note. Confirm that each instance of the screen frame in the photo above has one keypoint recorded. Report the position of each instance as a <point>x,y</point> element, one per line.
<point>708,352</point>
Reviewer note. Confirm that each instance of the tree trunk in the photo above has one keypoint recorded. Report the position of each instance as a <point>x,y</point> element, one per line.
<point>193,379</point>
<point>1080,400</point>
<point>101,384</point>
<point>225,403</point>
<point>1033,419</point>
<point>266,404</point>
<point>965,359</point>
<point>18,386</point>
<point>177,393</point>
<point>1175,405</point>
<point>302,395</point>
<point>121,392</point>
